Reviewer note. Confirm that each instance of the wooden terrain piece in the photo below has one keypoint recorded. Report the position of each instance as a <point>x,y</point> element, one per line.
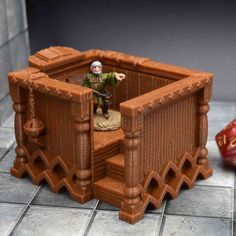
<point>159,148</point>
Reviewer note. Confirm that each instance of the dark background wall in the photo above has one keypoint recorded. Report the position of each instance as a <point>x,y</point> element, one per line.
<point>198,34</point>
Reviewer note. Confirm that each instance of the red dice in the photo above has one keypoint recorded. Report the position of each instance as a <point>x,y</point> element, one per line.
<point>226,141</point>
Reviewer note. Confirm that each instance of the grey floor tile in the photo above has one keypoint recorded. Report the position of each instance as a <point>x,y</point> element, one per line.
<point>3,24</point>
<point>234,227</point>
<point>203,201</point>
<point>7,161</point>
<point>106,206</point>
<point>107,224</point>
<point>15,17</point>
<point>9,122</point>
<point>5,67</point>
<point>7,137</point>
<point>50,221</point>
<point>5,108</point>
<point>234,215</point>
<point>214,128</point>
<point>196,226</point>
<point>46,197</point>
<point>222,111</point>
<point>9,214</point>
<point>16,190</point>
<point>213,151</point>
<point>222,175</point>
<point>2,152</point>
<point>19,54</point>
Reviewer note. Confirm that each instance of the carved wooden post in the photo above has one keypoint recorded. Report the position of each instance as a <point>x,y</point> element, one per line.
<point>83,145</point>
<point>130,208</point>
<point>203,108</point>
<point>19,106</point>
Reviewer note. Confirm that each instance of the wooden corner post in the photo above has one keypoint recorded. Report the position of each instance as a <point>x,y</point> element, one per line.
<point>19,106</point>
<point>203,108</point>
<point>130,207</point>
<point>81,112</point>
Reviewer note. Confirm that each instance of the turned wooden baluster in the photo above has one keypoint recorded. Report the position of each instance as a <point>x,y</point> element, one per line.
<point>83,146</point>
<point>131,205</point>
<point>203,108</point>
<point>19,106</point>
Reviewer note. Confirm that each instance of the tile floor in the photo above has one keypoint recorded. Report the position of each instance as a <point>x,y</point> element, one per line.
<point>206,210</point>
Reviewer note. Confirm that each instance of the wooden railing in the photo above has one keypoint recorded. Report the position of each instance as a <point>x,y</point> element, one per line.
<point>66,111</point>
<point>161,126</point>
<point>142,74</point>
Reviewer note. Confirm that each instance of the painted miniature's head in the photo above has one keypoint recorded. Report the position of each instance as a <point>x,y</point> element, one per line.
<point>96,67</point>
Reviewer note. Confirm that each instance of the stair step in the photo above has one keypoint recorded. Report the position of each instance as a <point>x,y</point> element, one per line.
<point>99,160</point>
<point>115,166</point>
<point>118,160</point>
<point>109,190</point>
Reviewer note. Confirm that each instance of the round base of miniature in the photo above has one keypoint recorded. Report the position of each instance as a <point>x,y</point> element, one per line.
<point>103,124</point>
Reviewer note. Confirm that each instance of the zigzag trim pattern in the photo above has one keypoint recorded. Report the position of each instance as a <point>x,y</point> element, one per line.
<point>55,171</point>
<point>171,178</point>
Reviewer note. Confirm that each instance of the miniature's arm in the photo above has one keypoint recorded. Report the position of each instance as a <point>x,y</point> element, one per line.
<point>113,78</point>
<point>120,76</point>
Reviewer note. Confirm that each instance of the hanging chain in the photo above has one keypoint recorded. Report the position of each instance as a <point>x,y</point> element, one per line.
<point>31,99</point>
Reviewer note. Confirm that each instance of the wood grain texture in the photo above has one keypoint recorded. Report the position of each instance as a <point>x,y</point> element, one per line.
<point>159,148</point>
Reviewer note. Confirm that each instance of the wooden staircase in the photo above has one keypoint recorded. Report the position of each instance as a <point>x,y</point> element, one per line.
<point>154,187</point>
<point>110,188</point>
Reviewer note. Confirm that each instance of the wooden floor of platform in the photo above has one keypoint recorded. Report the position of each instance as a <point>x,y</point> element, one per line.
<point>104,139</point>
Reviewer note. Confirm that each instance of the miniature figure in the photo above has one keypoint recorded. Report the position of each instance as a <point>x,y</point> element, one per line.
<point>98,82</point>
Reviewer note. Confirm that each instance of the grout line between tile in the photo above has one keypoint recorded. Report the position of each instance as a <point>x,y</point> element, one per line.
<point>12,202</point>
<point>24,211</point>
<point>198,216</point>
<point>21,216</point>
<point>98,205</point>
<point>160,233</point>
<point>58,206</point>
<point>214,186</point>
<point>4,172</point>
<point>94,213</point>
<point>11,39</point>
<point>162,221</point>
<point>4,153</point>
<point>5,96</point>
<point>90,223</point>
<point>233,234</point>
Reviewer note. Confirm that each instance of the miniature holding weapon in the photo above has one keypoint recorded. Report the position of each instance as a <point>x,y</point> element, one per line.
<point>98,82</point>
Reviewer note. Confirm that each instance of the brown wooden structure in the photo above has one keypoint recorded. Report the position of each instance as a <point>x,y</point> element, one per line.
<point>160,147</point>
